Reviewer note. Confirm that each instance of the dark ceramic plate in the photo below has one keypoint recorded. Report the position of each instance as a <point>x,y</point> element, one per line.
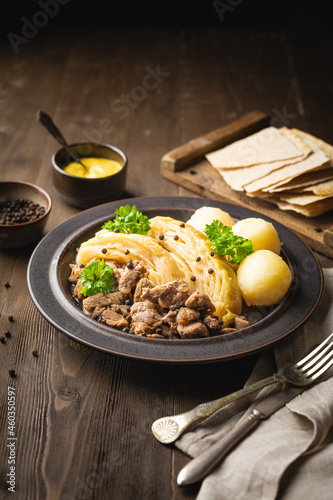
<point>49,288</point>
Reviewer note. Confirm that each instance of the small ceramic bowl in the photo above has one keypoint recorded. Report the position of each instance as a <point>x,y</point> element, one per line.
<point>83,192</point>
<point>22,234</point>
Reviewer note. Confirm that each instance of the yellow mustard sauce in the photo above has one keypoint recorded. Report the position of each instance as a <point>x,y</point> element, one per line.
<point>96,168</point>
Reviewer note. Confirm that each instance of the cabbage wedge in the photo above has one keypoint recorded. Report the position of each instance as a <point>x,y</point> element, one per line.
<point>212,273</point>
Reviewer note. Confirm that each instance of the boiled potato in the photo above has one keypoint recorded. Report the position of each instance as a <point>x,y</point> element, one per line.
<point>264,278</point>
<point>263,234</point>
<point>206,215</point>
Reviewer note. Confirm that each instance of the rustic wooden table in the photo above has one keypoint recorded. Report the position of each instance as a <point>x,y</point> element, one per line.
<point>83,417</point>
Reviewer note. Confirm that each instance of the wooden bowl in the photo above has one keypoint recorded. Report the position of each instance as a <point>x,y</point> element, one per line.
<point>83,192</point>
<point>22,234</point>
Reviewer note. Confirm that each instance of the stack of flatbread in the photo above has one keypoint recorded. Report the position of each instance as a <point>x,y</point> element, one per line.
<point>287,167</point>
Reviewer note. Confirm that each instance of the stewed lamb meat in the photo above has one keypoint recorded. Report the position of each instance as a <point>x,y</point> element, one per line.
<point>130,276</point>
<point>145,318</point>
<point>142,285</point>
<point>114,319</point>
<point>101,300</point>
<point>168,294</point>
<point>164,311</point>
<point>200,301</point>
<point>185,315</point>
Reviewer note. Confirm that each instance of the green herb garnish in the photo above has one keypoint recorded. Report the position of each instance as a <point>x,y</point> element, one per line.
<point>226,243</point>
<point>128,220</point>
<point>96,277</point>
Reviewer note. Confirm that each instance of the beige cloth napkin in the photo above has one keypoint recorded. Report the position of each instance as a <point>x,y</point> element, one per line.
<point>289,456</point>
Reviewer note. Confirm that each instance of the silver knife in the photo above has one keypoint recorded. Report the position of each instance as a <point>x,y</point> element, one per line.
<point>201,465</point>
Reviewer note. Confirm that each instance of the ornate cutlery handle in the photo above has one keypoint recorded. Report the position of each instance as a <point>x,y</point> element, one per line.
<point>168,429</point>
<point>200,466</point>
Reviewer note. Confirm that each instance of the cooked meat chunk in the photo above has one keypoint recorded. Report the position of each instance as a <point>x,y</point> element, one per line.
<point>143,284</point>
<point>211,322</point>
<point>114,319</point>
<point>97,312</point>
<point>131,276</point>
<point>228,330</point>
<point>101,300</point>
<point>145,318</point>
<point>166,311</point>
<point>77,291</point>
<point>170,317</point>
<point>170,322</point>
<point>119,308</point>
<point>193,330</point>
<point>186,315</point>
<point>201,301</point>
<point>75,274</point>
<point>240,322</point>
<point>173,293</point>
<point>169,332</point>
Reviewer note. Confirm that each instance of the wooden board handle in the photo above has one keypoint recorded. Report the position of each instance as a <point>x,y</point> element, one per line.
<point>184,155</point>
<point>328,236</point>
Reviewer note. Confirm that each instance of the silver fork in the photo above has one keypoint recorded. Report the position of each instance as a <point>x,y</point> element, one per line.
<point>168,429</point>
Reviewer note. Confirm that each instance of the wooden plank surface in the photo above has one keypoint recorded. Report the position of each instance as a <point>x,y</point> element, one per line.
<point>83,417</point>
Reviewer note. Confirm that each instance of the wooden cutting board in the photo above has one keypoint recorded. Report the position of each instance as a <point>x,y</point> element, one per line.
<point>187,166</point>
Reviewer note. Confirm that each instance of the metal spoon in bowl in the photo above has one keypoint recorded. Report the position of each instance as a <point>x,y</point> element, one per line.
<point>46,120</point>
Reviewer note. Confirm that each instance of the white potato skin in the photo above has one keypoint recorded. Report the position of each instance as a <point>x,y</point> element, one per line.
<point>262,233</point>
<point>264,278</point>
<point>206,215</point>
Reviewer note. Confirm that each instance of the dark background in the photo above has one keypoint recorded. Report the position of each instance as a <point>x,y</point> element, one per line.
<point>249,14</point>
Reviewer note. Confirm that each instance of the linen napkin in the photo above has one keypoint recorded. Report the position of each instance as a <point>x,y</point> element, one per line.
<point>289,456</point>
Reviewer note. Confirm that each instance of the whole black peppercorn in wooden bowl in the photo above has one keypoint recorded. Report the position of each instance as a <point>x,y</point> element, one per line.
<point>24,209</point>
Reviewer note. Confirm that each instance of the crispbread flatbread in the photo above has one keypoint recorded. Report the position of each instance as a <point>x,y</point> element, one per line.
<point>316,143</point>
<point>302,181</point>
<point>302,198</point>
<point>322,189</point>
<point>237,178</point>
<point>311,210</point>
<point>302,143</point>
<point>315,161</point>
<point>288,167</point>
<point>266,146</point>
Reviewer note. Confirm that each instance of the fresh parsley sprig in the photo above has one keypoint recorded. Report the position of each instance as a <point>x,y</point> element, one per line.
<point>96,277</point>
<point>226,243</point>
<point>128,220</point>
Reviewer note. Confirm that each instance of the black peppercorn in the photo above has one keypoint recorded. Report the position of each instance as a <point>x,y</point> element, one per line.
<point>127,251</point>
<point>212,254</point>
<point>193,278</point>
<point>19,211</point>
<point>210,271</point>
<point>104,250</point>
<point>198,259</point>
<point>182,224</point>
<point>176,237</point>
<point>161,237</point>
<point>130,265</point>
